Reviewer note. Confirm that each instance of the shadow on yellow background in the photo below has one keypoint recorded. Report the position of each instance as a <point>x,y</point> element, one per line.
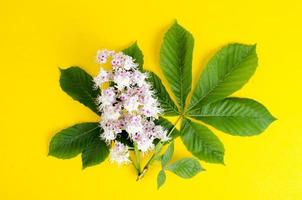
<point>37,37</point>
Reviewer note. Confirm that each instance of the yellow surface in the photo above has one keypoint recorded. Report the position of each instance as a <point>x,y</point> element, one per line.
<point>37,37</point>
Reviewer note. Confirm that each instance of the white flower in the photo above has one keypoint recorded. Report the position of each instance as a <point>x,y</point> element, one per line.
<point>112,112</point>
<point>160,133</point>
<point>101,78</point>
<point>145,144</point>
<point>139,78</point>
<point>110,129</point>
<point>151,110</point>
<point>131,104</point>
<point>107,97</point>
<point>148,126</point>
<point>129,63</point>
<point>128,105</point>
<point>119,154</point>
<point>133,124</point>
<point>101,56</point>
<point>122,79</point>
<point>108,135</point>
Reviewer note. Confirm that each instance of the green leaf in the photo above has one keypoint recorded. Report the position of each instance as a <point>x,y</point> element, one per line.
<point>135,52</point>
<point>201,142</point>
<point>71,141</point>
<point>80,86</point>
<point>176,61</point>
<point>161,178</point>
<point>236,116</point>
<point>167,155</point>
<point>166,103</point>
<point>168,126</point>
<point>185,168</point>
<point>224,74</point>
<point>95,152</point>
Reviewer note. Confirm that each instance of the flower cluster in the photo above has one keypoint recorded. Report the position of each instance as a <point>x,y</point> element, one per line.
<point>127,105</point>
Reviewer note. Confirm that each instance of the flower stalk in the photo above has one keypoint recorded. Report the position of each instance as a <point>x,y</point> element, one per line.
<point>156,153</point>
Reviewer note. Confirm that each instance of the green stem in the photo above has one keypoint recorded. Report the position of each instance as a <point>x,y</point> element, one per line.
<point>137,158</point>
<point>135,165</point>
<point>154,156</point>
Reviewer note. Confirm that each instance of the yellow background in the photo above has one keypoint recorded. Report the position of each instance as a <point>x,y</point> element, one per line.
<point>37,37</point>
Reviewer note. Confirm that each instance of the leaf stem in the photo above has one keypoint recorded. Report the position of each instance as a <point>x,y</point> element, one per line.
<point>155,155</point>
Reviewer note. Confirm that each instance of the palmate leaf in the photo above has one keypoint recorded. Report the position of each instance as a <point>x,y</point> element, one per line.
<point>185,168</point>
<point>135,52</point>
<point>224,74</point>
<point>166,103</point>
<point>201,142</point>
<point>176,61</point>
<point>71,141</point>
<point>236,116</point>
<point>95,152</point>
<point>79,85</point>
